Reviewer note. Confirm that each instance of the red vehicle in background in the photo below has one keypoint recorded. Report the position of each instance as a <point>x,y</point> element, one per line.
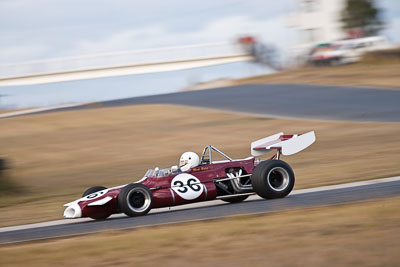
<point>199,179</point>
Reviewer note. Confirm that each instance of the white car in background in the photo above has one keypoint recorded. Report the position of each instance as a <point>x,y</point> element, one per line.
<point>347,51</point>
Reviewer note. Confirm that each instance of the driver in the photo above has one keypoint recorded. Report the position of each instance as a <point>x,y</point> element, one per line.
<point>187,161</point>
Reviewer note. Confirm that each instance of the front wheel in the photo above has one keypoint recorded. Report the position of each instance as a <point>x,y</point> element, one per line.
<point>272,179</point>
<point>235,199</point>
<point>135,200</point>
<point>92,191</point>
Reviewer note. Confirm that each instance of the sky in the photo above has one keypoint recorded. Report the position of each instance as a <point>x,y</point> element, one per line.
<point>42,29</point>
<point>36,29</point>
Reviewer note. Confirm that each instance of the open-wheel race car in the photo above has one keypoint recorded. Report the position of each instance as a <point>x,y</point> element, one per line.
<point>199,179</point>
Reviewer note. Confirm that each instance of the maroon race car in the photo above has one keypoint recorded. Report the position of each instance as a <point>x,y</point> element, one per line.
<point>199,179</point>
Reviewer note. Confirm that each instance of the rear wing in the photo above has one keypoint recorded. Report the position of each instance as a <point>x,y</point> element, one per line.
<point>286,144</point>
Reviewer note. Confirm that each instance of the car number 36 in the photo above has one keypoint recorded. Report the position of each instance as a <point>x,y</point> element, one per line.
<point>187,186</point>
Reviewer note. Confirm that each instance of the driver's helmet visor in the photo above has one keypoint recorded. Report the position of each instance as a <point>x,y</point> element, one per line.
<point>183,162</point>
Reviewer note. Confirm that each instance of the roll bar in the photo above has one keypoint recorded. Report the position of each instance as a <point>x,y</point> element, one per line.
<point>206,157</point>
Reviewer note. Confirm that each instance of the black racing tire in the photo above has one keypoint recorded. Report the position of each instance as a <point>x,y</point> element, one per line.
<point>92,190</point>
<point>235,199</point>
<point>100,217</point>
<point>272,179</point>
<point>135,200</point>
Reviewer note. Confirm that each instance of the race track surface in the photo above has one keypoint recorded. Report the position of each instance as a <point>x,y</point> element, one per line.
<point>306,198</point>
<point>283,100</point>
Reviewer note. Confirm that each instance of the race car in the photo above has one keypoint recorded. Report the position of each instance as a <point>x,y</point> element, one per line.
<point>199,179</point>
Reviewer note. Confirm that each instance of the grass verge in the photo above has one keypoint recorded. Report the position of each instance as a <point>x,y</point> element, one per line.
<point>363,234</point>
<point>56,156</point>
<point>361,74</point>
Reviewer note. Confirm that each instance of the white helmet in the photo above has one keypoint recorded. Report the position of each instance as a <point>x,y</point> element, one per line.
<point>188,160</point>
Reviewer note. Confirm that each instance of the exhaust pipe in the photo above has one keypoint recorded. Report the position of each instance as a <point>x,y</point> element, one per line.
<point>237,186</point>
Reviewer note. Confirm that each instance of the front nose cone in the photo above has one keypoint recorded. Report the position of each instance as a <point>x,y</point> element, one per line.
<point>73,211</point>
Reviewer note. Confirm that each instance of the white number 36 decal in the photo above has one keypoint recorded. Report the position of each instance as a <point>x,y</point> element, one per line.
<point>187,186</point>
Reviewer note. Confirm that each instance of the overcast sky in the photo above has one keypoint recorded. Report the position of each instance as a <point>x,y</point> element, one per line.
<point>38,29</point>
<point>42,29</point>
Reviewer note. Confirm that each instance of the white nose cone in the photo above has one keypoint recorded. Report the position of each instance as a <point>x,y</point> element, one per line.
<point>73,211</point>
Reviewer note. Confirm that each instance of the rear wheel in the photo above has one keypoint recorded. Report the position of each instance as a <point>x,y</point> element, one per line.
<point>135,200</point>
<point>272,179</point>
<point>91,191</point>
<point>236,199</point>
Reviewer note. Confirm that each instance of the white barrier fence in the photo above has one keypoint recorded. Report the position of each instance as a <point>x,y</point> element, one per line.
<point>121,59</point>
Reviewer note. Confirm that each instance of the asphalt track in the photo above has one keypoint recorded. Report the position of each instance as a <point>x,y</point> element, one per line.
<point>282,100</point>
<point>298,199</point>
<point>274,100</point>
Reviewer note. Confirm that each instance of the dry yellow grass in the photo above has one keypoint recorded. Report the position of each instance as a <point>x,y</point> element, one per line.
<point>56,156</point>
<point>362,74</point>
<point>364,234</point>
<point>2,111</point>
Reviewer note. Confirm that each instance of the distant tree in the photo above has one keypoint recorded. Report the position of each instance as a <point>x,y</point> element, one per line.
<point>266,54</point>
<point>363,15</point>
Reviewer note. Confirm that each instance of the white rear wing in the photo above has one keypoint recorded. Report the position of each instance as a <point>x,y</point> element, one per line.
<point>287,144</point>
